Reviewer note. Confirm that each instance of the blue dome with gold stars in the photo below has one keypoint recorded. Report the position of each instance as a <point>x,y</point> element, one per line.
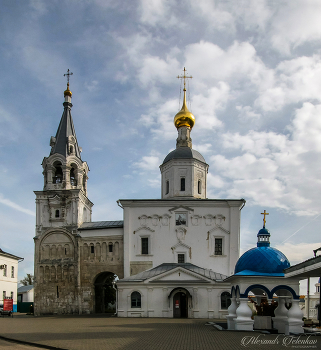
<point>262,260</point>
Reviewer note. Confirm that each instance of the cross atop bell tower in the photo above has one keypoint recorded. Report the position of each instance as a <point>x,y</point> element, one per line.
<point>68,74</point>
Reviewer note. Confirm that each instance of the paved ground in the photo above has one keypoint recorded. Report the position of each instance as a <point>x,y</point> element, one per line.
<point>108,333</point>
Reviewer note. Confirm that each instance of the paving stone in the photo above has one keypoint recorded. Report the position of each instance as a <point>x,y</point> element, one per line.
<point>92,332</point>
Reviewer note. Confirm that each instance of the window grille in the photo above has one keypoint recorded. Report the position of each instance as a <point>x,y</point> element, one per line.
<point>136,300</point>
<point>144,245</point>
<point>218,246</point>
<point>225,300</point>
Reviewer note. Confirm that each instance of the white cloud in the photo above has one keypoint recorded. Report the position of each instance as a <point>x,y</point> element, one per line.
<point>204,148</point>
<point>148,163</point>
<point>154,69</point>
<point>155,183</point>
<point>297,253</point>
<point>214,13</point>
<point>247,113</point>
<point>160,120</point>
<point>15,206</point>
<point>295,23</point>
<point>253,15</point>
<point>276,170</point>
<point>215,181</point>
<point>208,103</point>
<point>258,143</point>
<point>294,80</point>
<point>209,62</point>
<point>158,12</point>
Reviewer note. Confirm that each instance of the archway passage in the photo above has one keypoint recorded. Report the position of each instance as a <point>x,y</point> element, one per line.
<point>180,303</point>
<point>105,294</point>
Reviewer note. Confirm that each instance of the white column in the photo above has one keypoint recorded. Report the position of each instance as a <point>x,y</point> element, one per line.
<point>150,309</point>
<point>243,321</point>
<point>294,322</point>
<point>281,316</point>
<point>231,314</point>
<point>166,305</point>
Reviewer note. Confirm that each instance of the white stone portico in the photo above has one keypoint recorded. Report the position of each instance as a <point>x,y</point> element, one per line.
<point>165,288</point>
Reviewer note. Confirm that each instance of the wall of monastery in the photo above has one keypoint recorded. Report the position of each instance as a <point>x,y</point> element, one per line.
<point>66,267</point>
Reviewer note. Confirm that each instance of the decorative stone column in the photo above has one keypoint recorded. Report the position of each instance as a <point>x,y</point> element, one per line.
<point>294,322</point>
<point>231,314</point>
<point>243,321</point>
<point>66,176</point>
<point>281,316</point>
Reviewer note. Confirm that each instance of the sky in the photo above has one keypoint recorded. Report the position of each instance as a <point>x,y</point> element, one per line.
<point>255,94</point>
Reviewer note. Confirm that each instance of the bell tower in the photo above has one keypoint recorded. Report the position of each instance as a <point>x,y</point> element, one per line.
<point>61,207</point>
<point>63,201</point>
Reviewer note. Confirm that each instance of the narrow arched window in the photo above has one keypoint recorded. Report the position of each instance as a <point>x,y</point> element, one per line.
<point>136,300</point>
<point>71,150</point>
<point>57,214</point>
<point>182,183</point>
<point>58,175</point>
<point>84,177</point>
<point>167,187</point>
<point>73,180</point>
<point>199,187</point>
<point>225,300</point>
<point>110,247</point>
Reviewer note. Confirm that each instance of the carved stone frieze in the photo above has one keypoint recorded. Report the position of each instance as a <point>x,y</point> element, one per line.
<point>209,219</point>
<point>165,219</point>
<point>143,220</point>
<point>196,220</point>
<point>144,228</point>
<point>180,233</point>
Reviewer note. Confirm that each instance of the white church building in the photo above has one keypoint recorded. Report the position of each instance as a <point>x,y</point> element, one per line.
<point>180,248</point>
<point>173,256</point>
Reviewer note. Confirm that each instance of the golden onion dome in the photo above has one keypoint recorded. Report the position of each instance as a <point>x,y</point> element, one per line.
<point>67,92</point>
<point>184,117</point>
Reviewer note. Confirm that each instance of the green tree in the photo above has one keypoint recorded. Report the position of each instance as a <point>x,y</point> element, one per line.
<point>28,280</point>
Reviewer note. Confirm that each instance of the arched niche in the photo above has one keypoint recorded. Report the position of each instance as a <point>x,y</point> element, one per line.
<point>57,245</point>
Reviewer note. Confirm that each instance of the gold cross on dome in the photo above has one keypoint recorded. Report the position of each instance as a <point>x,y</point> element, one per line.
<point>184,76</point>
<point>68,75</point>
<point>264,221</point>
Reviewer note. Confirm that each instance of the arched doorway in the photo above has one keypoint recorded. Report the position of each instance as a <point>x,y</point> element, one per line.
<point>105,294</point>
<point>180,305</point>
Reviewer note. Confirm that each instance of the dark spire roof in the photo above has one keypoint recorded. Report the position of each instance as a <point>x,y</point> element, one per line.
<point>65,129</point>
